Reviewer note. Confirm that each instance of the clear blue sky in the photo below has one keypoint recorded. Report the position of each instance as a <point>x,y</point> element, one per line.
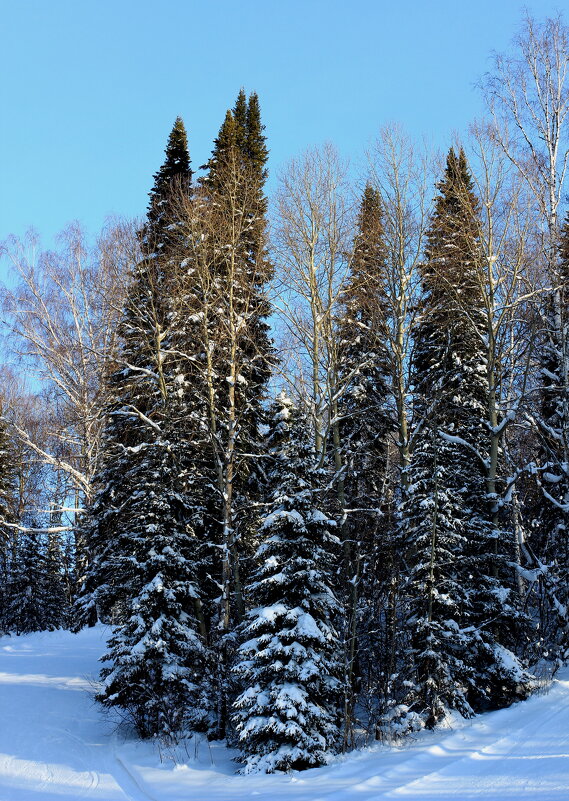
<point>90,88</point>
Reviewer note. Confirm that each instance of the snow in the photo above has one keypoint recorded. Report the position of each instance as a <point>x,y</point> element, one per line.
<point>56,744</point>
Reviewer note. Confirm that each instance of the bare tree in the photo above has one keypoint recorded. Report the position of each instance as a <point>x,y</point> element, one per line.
<point>403,176</point>
<point>61,316</point>
<point>312,238</point>
<point>528,96</point>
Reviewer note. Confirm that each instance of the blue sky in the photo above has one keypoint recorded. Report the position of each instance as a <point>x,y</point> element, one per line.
<point>90,88</point>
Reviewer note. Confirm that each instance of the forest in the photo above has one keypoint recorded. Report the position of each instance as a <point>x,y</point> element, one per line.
<point>306,452</point>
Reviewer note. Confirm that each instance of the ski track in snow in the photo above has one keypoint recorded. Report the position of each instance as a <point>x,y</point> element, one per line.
<point>56,744</point>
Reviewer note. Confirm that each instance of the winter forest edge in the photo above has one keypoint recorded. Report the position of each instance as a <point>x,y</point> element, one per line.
<point>308,455</point>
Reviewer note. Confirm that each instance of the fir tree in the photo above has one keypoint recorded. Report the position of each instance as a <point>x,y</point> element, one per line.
<point>239,114</point>
<point>242,354</point>
<point>139,395</point>
<point>461,621</point>
<point>157,658</point>
<point>160,233</point>
<point>287,715</point>
<point>55,602</point>
<point>365,420</point>
<point>143,574</point>
<point>7,517</point>
<point>238,334</point>
<point>25,611</point>
<point>550,524</point>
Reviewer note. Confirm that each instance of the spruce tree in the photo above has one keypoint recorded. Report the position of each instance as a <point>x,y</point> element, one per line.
<point>157,659</point>
<point>240,346</point>
<point>242,355</point>
<point>25,611</point>
<point>143,574</point>
<point>161,232</point>
<point>136,415</point>
<point>7,517</point>
<point>365,419</point>
<point>461,620</point>
<point>550,523</point>
<point>287,714</point>
<point>55,603</point>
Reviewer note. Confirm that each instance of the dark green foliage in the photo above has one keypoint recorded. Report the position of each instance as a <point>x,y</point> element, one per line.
<point>139,401</point>
<point>35,597</point>
<point>7,516</point>
<point>25,608</point>
<point>55,602</point>
<point>286,715</point>
<point>239,115</point>
<point>143,573</point>
<point>550,524</point>
<point>365,367</point>
<point>173,177</point>
<point>241,269</point>
<point>158,659</point>
<point>459,610</point>
<point>365,419</point>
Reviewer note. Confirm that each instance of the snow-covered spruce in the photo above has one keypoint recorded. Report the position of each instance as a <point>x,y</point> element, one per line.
<point>550,523</point>
<point>8,538</point>
<point>157,659</point>
<point>364,416</point>
<point>141,538</point>
<point>221,354</point>
<point>140,401</point>
<point>32,594</point>
<point>287,713</point>
<point>461,623</point>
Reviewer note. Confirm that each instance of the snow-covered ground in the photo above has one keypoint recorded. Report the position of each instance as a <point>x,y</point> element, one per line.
<point>56,744</point>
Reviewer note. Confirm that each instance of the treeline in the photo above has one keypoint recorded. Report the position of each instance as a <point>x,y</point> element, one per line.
<point>311,462</point>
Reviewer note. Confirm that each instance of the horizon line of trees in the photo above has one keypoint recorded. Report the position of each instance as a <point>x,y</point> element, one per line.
<point>311,463</point>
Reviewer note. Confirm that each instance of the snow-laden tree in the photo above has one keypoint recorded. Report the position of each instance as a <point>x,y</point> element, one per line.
<point>139,399</point>
<point>56,607</point>
<point>7,493</point>
<point>551,523</point>
<point>32,592</point>
<point>289,660</point>
<point>223,360</point>
<point>25,608</point>
<point>242,355</point>
<point>141,534</point>
<point>460,622</point>
<point>157,658</point>
<point>364,418</point>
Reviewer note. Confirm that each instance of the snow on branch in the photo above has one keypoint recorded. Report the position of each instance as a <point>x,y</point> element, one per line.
<point>459,441</point>
<point>32,530</point>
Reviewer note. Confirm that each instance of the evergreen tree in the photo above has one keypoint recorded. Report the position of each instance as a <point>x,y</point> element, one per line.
<point>157,658</point>
<point>55,603</point>
<point>25,611</point>
<point>365,369</point>
<point>242,355</point>
<point>287,715</point>
<point>364,422</point>
<point>238,337</point>
<point>7,517</point>
<point>138,412</point>
<point>550,523</point>
<point>143,575</point>
<point>161,232</point>
<point>239,114</point>
<point>461,621</point>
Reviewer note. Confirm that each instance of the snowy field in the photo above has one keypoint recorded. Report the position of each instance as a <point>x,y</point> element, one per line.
<point>56,744</point>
